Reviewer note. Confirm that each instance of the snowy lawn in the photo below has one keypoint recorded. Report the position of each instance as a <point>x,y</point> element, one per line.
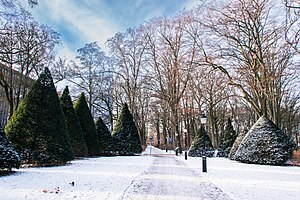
<point>248,181</point>
<point>110,178</point>
<point>94,178</point>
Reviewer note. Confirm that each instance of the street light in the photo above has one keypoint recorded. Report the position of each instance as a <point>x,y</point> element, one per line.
<point>151,139</point>
<point>185,139</point>
<point>203,122</point>
<point>203,119</point>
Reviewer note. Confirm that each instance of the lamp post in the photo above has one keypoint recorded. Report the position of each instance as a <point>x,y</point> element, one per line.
<point>185,139</point>
<point>203,122</point>
<point>151,139</point>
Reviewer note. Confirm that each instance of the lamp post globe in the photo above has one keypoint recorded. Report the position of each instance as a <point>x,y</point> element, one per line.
<point>203,119</point>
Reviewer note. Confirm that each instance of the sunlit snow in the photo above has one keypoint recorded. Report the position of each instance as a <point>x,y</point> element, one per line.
<point>112,177</point>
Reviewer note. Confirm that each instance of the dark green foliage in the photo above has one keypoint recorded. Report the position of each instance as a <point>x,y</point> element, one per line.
<point>37,129</point>
<point>126,140</point>
<point>202,145</point>
<point>87,125</point>
<point>237,143</point>
<point>265,143</point>
<point>9,158</point>
<point>73,125</point>
<point>104,136</point>
<point>228,139</point>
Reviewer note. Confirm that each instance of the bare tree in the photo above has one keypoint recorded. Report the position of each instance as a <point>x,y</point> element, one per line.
<point>60,70</point>
<point>246,45</point>
<point>128,49</point>
<point>292,30</point>
<point>26,47</point>
<point>171,59</point>
<point>91,75</point>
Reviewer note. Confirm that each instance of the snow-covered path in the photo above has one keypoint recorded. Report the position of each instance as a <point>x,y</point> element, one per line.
<point>170,178</point>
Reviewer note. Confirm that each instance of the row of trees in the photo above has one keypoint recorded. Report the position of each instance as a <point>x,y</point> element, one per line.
<point>46,130</point>
<point>226,59</point>
<point>202,144</point>
<point>233,59</point>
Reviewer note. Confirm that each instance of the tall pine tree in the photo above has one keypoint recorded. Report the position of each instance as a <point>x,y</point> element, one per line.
<point>77,139</point>
<point>125,135</point>
<point>87,125</point>
<point>37,129</point>
<point>104,136</point>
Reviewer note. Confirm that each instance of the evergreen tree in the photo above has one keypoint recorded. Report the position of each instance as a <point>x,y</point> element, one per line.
<point>265,143</point>
<point>228,139</point>
<point>201,145</point>
<point>9,158</point>
<point>237,143</point>
<point>37,129</point>
<point>104,136</point>
<point>125,135</point>
<point>77,139</point>
<point>87,126</point>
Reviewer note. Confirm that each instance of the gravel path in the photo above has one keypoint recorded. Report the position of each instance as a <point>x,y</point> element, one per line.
<point>169,178</point>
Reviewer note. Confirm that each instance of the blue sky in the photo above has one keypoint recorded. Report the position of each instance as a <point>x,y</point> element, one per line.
<point>83,21</point>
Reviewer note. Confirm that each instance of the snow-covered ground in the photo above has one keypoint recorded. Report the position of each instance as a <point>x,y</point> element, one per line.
<point>120,177</point>
<point>94,178</point>
<point>249,181</point>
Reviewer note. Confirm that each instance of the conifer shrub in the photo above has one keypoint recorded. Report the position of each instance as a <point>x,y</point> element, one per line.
<point>201,145</point>
<point>105,138</point>
<point>237,143</point>
<point>126,140</point>
<point>266,144</point>
<point>9,158</point>
<point>87,125</point>
<point>73,125</point>
<point>37,129</point>
<point>227,140</point>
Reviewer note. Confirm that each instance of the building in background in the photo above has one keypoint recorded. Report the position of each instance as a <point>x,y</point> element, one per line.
<point>3,108</point>
<point>7,74</point>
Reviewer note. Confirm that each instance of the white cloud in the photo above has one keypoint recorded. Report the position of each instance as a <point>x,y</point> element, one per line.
<point>64,51</point>
<point>191,4</point>
<point>84,23</point>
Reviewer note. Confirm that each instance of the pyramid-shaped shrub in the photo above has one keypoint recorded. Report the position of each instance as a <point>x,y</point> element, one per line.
<point>104,135</point>
<point>77,139</point>
<point>126,140</point>
<point>37,129</point>
<point>236,144</point>
<point>201,145</point>
<point>228,139</point>
<point>87,125</point>
<point>265,143</point>
<point>9,158</point>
